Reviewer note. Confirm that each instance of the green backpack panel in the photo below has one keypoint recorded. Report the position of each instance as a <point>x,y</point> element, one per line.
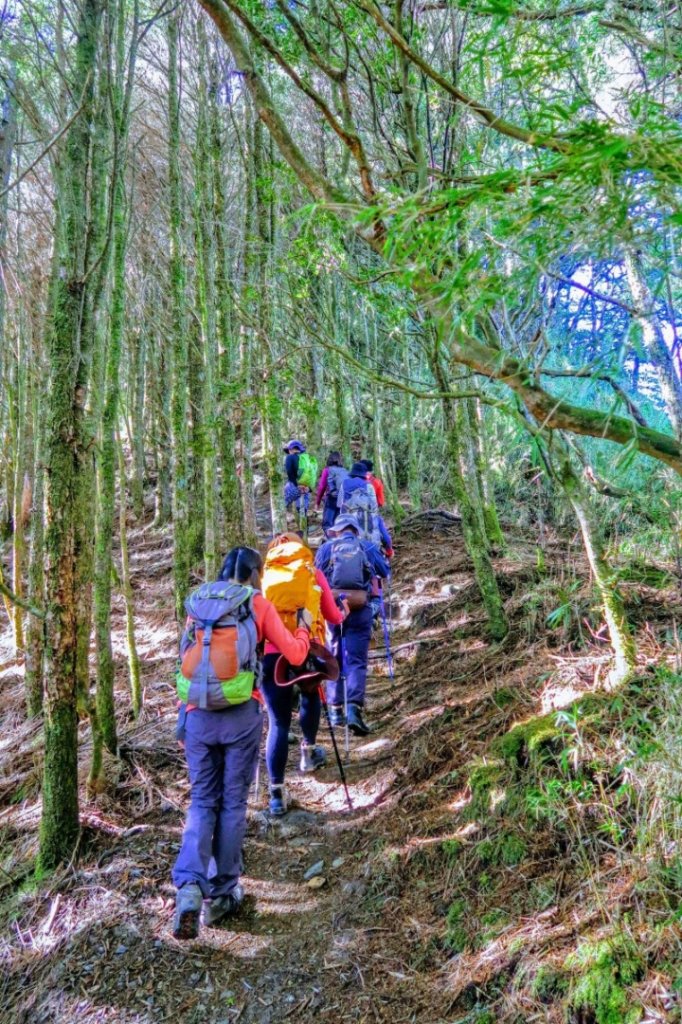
<point>307,470</point>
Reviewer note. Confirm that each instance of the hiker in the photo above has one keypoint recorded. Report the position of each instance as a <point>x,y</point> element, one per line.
<point>291,581</point>
<point>228,622</point>
<point>333,475</point>
<point>350,563</point>
<point>301,473</point>
<point>358,498</point>
<point>376,483</point>
<point>381,537</point>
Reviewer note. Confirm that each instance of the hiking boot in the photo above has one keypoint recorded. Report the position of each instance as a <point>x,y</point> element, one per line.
<point>278,802</point>
<point>223,906</point>
<point>312,757</point>
<point>336,715</point>
<point>356,722</point>
<point>188,902</point>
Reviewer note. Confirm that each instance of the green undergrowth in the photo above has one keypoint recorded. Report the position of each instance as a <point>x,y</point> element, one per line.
<point>555,804</point>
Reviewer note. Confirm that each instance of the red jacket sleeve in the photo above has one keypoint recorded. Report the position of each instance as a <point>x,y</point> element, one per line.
<point>379,488</point>
<point>270,627</point>
<point>322,486</point>
<point>330,610</point>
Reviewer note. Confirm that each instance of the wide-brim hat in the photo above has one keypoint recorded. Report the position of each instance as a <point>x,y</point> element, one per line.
<point>320,665</point>
<point>343,522</point>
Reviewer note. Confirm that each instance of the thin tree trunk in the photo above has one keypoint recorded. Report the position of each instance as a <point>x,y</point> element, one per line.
<point>65,453</point>
<point>134,666</point>
<point>622,639</point>
<point>180,368</point>
<point>655,343</point>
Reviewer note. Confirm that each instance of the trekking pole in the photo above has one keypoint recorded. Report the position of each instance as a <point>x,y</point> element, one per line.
<point>387,640</point>
<point>346,736</point>
<point>323,700</point>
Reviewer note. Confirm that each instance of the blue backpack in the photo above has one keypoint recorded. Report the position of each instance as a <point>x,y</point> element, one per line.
<point>349,567</point>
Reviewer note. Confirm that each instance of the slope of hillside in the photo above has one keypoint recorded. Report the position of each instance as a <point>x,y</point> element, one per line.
<point>502,862</point>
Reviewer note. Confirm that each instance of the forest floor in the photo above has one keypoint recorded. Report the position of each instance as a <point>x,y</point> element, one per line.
<point>375,942</point>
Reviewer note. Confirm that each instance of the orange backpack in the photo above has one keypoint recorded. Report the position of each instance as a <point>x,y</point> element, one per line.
<point>289,581</point>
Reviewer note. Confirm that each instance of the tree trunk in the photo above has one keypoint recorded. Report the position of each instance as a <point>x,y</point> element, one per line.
<point>134,667</point>
<point>65,456</point>
<point>652,335</point>
<point>180,361</point>
<point>622,640</point>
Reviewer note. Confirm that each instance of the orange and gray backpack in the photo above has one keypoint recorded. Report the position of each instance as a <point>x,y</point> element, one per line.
<point>219,648</point>
<point>290,583</point>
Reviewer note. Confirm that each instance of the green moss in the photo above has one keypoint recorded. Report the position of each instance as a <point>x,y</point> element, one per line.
<point>484,778</point>
<point>508,849</point>
<point>601,975</point>
<point>457,937</point>
<point>548,984</point>
<point>527,739</point>
<point>512,849</point>
<point>452,849</point>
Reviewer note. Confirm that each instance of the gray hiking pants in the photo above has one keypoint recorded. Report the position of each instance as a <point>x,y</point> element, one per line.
<point>222,751</point>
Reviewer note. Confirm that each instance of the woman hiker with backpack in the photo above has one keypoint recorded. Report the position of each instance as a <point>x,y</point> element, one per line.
<point>291,581</point>
<point>333,475</point>
<point>350,563</point>
<point>228,622</point>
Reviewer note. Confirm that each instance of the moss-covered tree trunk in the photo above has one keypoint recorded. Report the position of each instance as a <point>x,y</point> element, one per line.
<point>231,512</point>
<point>491,521</point>
<point>35,631</point>
<point>65,458</point>
<point>121,92</point>
<point>206,305</point>
<point>269,400</point>
<point>180,360</point>
<point>414,490</point>
<point>620,634</point>
<point>134,666</point>
<point>246,350</point>
<point>137,390</point>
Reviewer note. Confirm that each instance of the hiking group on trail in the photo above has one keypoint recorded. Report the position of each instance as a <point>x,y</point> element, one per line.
<point>290,627</point>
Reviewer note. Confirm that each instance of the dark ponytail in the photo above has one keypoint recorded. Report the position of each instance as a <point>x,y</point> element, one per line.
<point>335,459</point>
<point>240,564</point>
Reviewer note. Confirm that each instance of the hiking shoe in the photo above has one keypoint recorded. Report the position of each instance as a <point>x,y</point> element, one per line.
<point>278,803</point>
<point>356,723</point>
<point>188,902</point>
<point>223,906</point>
<point>292,737</point>
<point>336,715</point>
<point>312,757</point>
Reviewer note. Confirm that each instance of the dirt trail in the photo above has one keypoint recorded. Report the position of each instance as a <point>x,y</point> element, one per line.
<point>95,944</point>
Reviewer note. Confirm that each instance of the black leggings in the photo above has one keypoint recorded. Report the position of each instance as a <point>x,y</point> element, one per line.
<point>279,701</point>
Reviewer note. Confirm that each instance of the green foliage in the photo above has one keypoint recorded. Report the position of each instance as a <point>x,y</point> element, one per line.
<point>601,974</point>
<point>457,937</point>
<point>452,849</point>
<point>548,984</point>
